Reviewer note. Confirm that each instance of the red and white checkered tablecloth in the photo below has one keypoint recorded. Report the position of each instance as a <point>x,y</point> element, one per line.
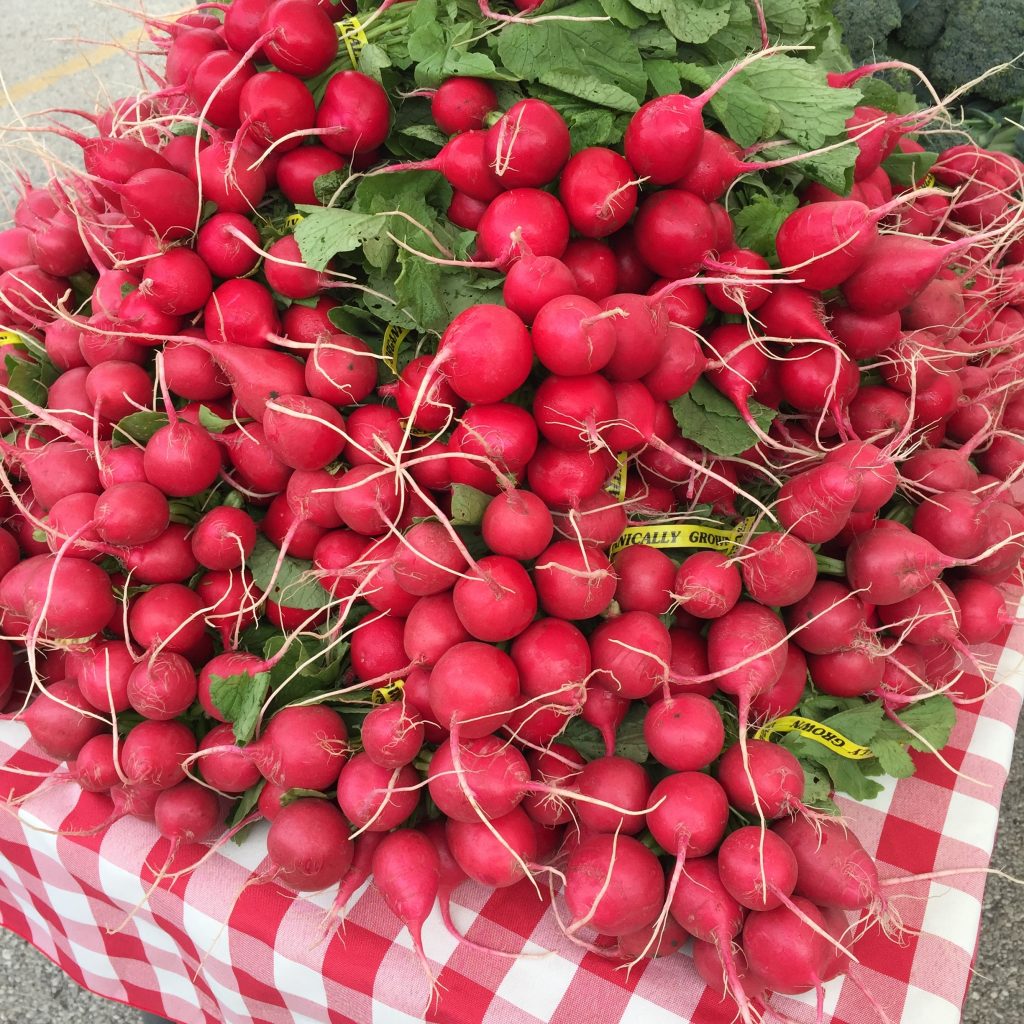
<point>204,952</point>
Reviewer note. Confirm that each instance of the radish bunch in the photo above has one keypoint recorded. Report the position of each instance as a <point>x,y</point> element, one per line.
<point>316,512</point>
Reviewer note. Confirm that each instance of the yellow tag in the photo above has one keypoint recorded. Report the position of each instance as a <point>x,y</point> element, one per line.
<point>10,338</point>
<point>350,30</point>
<point>293,220</point>
<point>388,694</point>
<point>928,181</point>
<point>681,535</point>
<point>835,741</point>
<point>617,481</point>
<point>393,338</point>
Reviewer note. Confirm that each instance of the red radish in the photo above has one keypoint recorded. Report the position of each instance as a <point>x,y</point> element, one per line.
<point>308,843</point>
<point>221,248</point>
<point>299,169</point>
<point>528,145</point>
<point>228,770</point>
<point>376,798</point>
<point>354,115</point>
<point>303,40</point>
<point>224,538</point>
<point>592,264</point>
<point>181,459</point>
<point>707,585</point>
<point>486,353</point>
<point>674,232</point>
<point>533,281</point>
<point>304,433</point>
<point>67,599</point>
<point>572,337</point>
<point>684,732</point>
<point>645,580</point>
<point>778,779</point>
<point>573,581</point>
<point>274,104</point>
<point>473,688</point>
<point>431,627</point>
<point>152,753</point>
<point>392,735</point>
<point>167,616</point>
<point>829,618</point>
<point>598,191</point>
<point>807,951</point>
<point>641,331</point>
<point>462,104</point>
<point>757,867</point>
<point>377,652</point>
<point>407,870</point>
<point>816,504</point>
<point>889,565</point>
<point>178,282</point>
<point>163,202</point>
<point>62,721</point>
<point>491,779</point>
<point>520,222</point>
<point>630,654</point>
<point>495,853</point>
<point>301,747</point>
<point>341,370</point>
<point>131,513</point>
<point>517,524</point>
<point>794,313</point>
<point>778,569</point>
<point>240,312</point>
<point>614,885</point>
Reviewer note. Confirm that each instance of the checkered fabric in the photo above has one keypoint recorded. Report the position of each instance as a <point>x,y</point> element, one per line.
<point>213,949</point>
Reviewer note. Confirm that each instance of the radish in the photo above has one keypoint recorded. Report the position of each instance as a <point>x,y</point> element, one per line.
<point>778,569</point>
<point>614,885</point>
<point>528,145</point>
<point>816,504</point>
<point>153,752</point>
<point>807,951</point>
<point>219,244</point>
<point>533,281</point>
<point>684,732</point>
<point>431,627</point>
<point>758,868</point>
<point>308,844</point>
<point>778,779</point>
<point>646,578</point>
<point>161,201</point>
<point>374,798</point>
<point>224,538</point>
<point>889,565</point>
<point>674,232</point>
<point>571,336</point>
<point>473,688</point>
<point>495,853</point>
<point>592,264</point>
<point>274,104</point>
<point>598,192</point>
<point>630,654</point>
<point>304,433</point>
<point>706,585</point>
<point>492,779</point>
<point>486,353</point>
<point>573,581</point>
<point>407,870</point>
<point>354,115</point>
<point>299,169</point>
<point>392,735</point>
<point>62,721</point>
<point>240,312</point>
<point>518,524</point>
<point>181,459</point>
<point>462,104</point>
<point>301,747</point>
<point>162,687</point>
<point>522,221</point>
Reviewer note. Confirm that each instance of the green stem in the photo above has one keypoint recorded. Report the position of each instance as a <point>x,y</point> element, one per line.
<point>830,566</point>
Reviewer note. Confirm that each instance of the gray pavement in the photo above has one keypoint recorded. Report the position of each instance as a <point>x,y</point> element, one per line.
<point>43,66</point>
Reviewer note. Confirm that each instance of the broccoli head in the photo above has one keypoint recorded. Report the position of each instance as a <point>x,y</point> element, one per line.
<point>978,35</point>
<point>866,25</point>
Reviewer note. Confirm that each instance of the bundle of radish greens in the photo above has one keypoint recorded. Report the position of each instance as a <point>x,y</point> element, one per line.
<point>568,442</point>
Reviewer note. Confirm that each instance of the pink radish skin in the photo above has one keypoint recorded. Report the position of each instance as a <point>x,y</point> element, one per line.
<point>308,843</point>
<point>483,857</point>
<point>462,104</point>
<point>354,116</point>
<point>301,748</point>
<point>517,524</point>
<point>407,870</point>
<point>757,868</point>
<point>631,786</point>
<point>492,780</point>
<point>707,585</point>
<point>829,618</point>
<point>162,687</point>
<point>890,565</point>
<point>614,884</point>
<point>598,190</point>
<point>522,221</point>
<point>629,653</point>
<point>684,732</point>
<point>230,771</point>
<point>528,145</point>
<point>62,731</point>
<point>778,569</point>
<point>375,798</point>
<point>573,584</point>
<point>473,686</point>
<point>807,952</point>
<point>152,753</point>
<point>646,578</point>
<point>778,779</point>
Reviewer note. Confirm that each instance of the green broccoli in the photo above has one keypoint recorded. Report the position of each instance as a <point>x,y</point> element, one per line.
<point>866,26</point>
<point>923,23</point>
<point>978,35</point>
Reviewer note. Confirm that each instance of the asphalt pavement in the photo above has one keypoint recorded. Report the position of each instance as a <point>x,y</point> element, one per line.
<point>50,57</point>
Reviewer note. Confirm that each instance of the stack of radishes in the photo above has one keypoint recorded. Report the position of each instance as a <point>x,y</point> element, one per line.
<point>179,395</point>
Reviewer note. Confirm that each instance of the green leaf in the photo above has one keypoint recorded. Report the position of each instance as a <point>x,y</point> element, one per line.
<point>595,61</point>
<point>30,380</point>
<point>908,168</point>
<point>706,416</point>
<point>291,795</point>
<point>212,422</point>
<point>295,587</point>
<point>307,666</point>
<point>325,233</point>
<point>239,699</point>
<point>876,92</point>
<point>629,740</point>
<point>139,426</point>
<point>623,12</point>
<point>468,505</point>
<point>746,117</point>
<point>690,21</point>
<point>893,758</point>
<point>245,806</point>
<point>758,223</point>
<point>664,76</point>
<point>933,719</point>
